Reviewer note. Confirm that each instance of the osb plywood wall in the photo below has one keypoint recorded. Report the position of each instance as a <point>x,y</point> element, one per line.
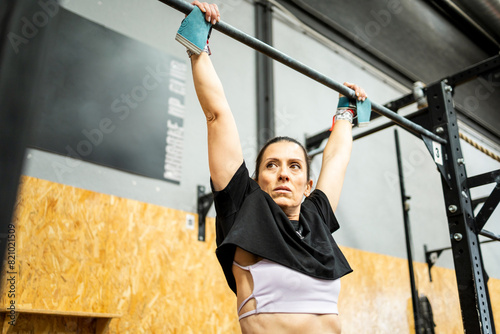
<point>85,252</point>
<point>376,297</point>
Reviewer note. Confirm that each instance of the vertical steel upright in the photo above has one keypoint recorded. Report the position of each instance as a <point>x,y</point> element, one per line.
<point>472,288</point>
<point>419,327</point>
<point>264,75</point>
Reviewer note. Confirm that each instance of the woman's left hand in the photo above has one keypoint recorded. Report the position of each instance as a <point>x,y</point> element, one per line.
<point>360,92</point>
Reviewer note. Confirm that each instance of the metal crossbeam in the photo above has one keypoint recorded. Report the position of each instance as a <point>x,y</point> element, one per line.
<point>277,55</point>
<point>431,256</point>
<point>489,206</point>
<point>490,202</point>
<point>491,235</point>
<point>485,178</point>
<point>313,143</point>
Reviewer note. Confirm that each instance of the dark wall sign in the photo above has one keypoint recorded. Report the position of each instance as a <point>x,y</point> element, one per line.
<point>111,100</point>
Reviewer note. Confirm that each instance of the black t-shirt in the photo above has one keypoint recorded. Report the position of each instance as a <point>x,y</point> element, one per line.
<point>249,218</point>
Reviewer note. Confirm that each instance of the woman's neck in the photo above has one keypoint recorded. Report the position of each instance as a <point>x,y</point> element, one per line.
<point>292,213</point>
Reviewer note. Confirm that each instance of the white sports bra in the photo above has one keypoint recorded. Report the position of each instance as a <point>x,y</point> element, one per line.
<point>279,289</point>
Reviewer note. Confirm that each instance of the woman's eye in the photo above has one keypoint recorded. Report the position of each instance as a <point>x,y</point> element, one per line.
<point>271,165</point>
<point>295,166</point>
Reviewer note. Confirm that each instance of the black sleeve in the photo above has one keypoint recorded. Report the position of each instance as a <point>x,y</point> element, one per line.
<point>228,200</point>
<point>321,202</point>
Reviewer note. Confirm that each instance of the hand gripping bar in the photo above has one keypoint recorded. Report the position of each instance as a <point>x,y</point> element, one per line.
<point>277,55</point>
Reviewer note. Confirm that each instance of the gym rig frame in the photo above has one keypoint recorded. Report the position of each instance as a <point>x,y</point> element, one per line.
<point>440,117</point>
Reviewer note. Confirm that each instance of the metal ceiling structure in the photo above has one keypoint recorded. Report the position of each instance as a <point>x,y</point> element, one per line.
<point>424,40</point>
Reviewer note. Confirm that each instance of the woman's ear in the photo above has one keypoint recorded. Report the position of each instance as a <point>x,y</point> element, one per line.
<point>309,186</point>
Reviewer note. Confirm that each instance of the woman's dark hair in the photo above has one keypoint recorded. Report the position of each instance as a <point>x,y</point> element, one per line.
<point>277,140</point>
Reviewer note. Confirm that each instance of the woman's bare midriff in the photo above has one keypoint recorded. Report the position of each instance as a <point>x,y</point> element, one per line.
<point>290,323</point>
<point>275,323</point>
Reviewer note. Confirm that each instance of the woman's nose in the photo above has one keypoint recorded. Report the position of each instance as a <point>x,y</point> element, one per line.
<point>283,175</point>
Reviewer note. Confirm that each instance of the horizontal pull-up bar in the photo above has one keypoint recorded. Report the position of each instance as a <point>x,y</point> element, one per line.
<point>277,55</point>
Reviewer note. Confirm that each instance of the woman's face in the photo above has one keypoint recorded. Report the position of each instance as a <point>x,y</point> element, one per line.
<point>283,175</point>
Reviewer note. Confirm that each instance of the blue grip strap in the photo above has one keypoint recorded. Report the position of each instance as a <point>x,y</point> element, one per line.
<point>364,110</point>
<point>194,31</point>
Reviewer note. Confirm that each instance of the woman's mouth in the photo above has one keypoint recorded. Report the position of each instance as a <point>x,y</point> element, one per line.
<point>282,189</point>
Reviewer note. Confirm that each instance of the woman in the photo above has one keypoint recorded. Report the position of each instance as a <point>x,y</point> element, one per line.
<point>276,249</point>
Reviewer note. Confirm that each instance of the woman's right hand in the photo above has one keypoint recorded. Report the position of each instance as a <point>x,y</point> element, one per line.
<point>211,11</point>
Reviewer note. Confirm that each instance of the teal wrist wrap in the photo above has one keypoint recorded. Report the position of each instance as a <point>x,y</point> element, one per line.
<point>362,109</point>
<point>343,102</point>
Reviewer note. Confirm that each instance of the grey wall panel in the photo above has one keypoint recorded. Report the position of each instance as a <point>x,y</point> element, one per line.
<point>111,100</point>
<point>155,24</point>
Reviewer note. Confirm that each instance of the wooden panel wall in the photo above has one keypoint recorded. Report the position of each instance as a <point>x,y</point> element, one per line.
<point>80,251</point>
<point>83,251</point>
<point>380,287</point>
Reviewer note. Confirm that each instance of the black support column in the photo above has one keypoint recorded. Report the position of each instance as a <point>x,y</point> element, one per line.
<point>23,29</point>
<point>472,288</point>
<point>418,321</point>
<point>264,77</point>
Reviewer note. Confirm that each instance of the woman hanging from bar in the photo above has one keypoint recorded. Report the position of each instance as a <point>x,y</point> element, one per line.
<point>275,247</point>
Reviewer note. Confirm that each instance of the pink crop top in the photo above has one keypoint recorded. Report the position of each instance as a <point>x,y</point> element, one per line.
<point>279,289</point>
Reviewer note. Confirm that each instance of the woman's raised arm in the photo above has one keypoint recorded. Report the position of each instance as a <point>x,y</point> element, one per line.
<point>224,148</point>
<point>336,155</point>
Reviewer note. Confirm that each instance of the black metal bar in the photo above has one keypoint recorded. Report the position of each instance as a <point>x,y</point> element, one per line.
<point>490,202</point>
<point>461,77</point>
<point>485,178</point>
<point>324,135</point>
<point>315,141</point>
<point>312,143</point>
<point>474,71</point>
<point>203,205</point>
<point>491,235</point>
<point>406,220</point>
<point>485,233</point>
<point>472,290</point>
<point>401,102</point>
<point>277,55</point>
<point>431,256</point>
<point>477,201</point>
<point>488,207</point>
<point>264,74</point>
